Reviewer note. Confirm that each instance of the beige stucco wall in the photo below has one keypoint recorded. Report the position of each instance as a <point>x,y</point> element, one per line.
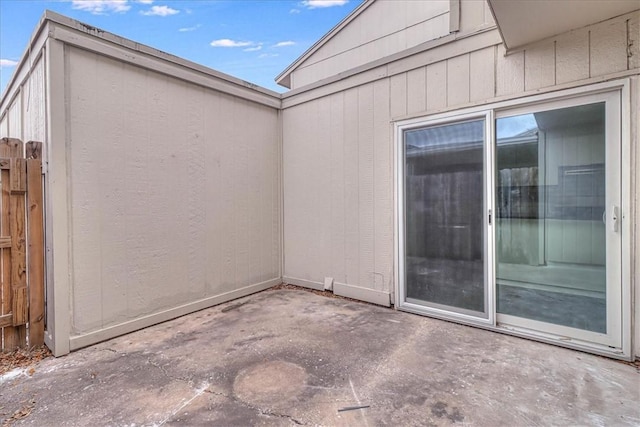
<point>338,141</point>
<point>173,193</point>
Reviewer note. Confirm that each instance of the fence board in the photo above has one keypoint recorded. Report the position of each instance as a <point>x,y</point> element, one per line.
<point>21,245</point>
<point>18,176</point>
<point>6,320</point>
<point>36,245</point>
<point>9,148</point>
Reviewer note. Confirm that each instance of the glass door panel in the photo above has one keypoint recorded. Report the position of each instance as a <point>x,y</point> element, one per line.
<point>551,210</point>
<point>444,213</point>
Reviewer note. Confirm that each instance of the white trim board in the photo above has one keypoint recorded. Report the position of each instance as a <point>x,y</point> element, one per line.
<point>424,54</point>
<point>344,290</point>
<point>90,338</point>
<point>180,69</point>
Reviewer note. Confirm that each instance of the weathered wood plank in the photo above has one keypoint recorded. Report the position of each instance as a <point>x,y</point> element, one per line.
<point>18,259</point>
<point>12,147</point>
<point>9,147</point>
<point>5,163</point>
<point>5,242</point>
<point>35,251</point>
<point>6,320</point>
<point>18,176</point>
<point>33,150</point>
<point>20,303</point>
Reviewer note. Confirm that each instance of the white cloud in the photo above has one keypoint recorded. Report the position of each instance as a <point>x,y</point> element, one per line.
<point>267,55</point>
<point>6,63</point>
<point>252,49</point>
<point>101,7</point>
<point>284,43</point>
<point>186,29</point>
<point>294,11</point>
<point>230,43</point>
<point>160,11</point>
<point>144,1</point>
<point>314,4</point>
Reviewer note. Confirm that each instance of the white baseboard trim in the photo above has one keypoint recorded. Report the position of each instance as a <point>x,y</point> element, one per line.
<point>362,294</point>
<point>94,337</point>
<point>344,290</point>
<point>304,283</point>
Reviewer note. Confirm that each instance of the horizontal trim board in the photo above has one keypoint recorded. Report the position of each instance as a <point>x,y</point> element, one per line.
<point>363,294</point>
<point>304,64</point>
<point>180,69</point>
<point>430,52</point>
<point>6,320</point>
<point>79,341</point>
<point>304,283</point>
<point>355,292</point>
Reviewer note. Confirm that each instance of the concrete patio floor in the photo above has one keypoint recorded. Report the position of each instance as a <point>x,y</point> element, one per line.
<point>290,357</point>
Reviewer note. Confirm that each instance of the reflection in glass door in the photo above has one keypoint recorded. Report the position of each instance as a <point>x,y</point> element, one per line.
<point>444,217</point>
<point>554,216</point>
<point>535,247</point>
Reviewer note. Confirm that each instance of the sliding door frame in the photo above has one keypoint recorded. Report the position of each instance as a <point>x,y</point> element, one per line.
<point>613,280</point>
<point>621,348</point>
<point>436,310</point>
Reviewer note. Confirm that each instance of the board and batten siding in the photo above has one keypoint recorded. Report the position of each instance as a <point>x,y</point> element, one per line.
<point>338,190</point>
<point>382,29</point>
<point>174,195</point>
<point>25,116</point>
<point>338,140</point>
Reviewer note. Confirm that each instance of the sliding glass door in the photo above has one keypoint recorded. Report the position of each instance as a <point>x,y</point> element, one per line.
<point>511,217</point>
<point>558,218</point>
<point>444,204</point>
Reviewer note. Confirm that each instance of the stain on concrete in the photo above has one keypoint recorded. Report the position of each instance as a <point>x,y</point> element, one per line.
<point>295,358</point>
<point>440,410</point>
<point>270,384</point>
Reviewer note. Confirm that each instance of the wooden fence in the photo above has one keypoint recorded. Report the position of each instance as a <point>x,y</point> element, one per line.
<point>21,244</point>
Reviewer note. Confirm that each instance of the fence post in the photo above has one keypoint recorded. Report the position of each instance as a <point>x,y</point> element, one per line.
<point>35,249</point>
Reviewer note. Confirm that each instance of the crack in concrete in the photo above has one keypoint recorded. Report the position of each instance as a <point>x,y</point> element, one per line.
<point>173,413</point>
<point>168,375</point>
<point>255,408</point>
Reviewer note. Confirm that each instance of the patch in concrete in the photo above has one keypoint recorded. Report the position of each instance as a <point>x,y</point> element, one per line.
<point>270,383</point>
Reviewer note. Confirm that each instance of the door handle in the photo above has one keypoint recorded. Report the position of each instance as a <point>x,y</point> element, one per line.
<point>614,218</point>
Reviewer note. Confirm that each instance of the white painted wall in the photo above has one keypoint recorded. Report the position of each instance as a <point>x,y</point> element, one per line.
<point>173,192</point>
<point>338,142</point>
<point>338,189</point>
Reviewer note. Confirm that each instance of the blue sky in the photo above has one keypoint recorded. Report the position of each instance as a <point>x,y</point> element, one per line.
<point>252,40</point>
